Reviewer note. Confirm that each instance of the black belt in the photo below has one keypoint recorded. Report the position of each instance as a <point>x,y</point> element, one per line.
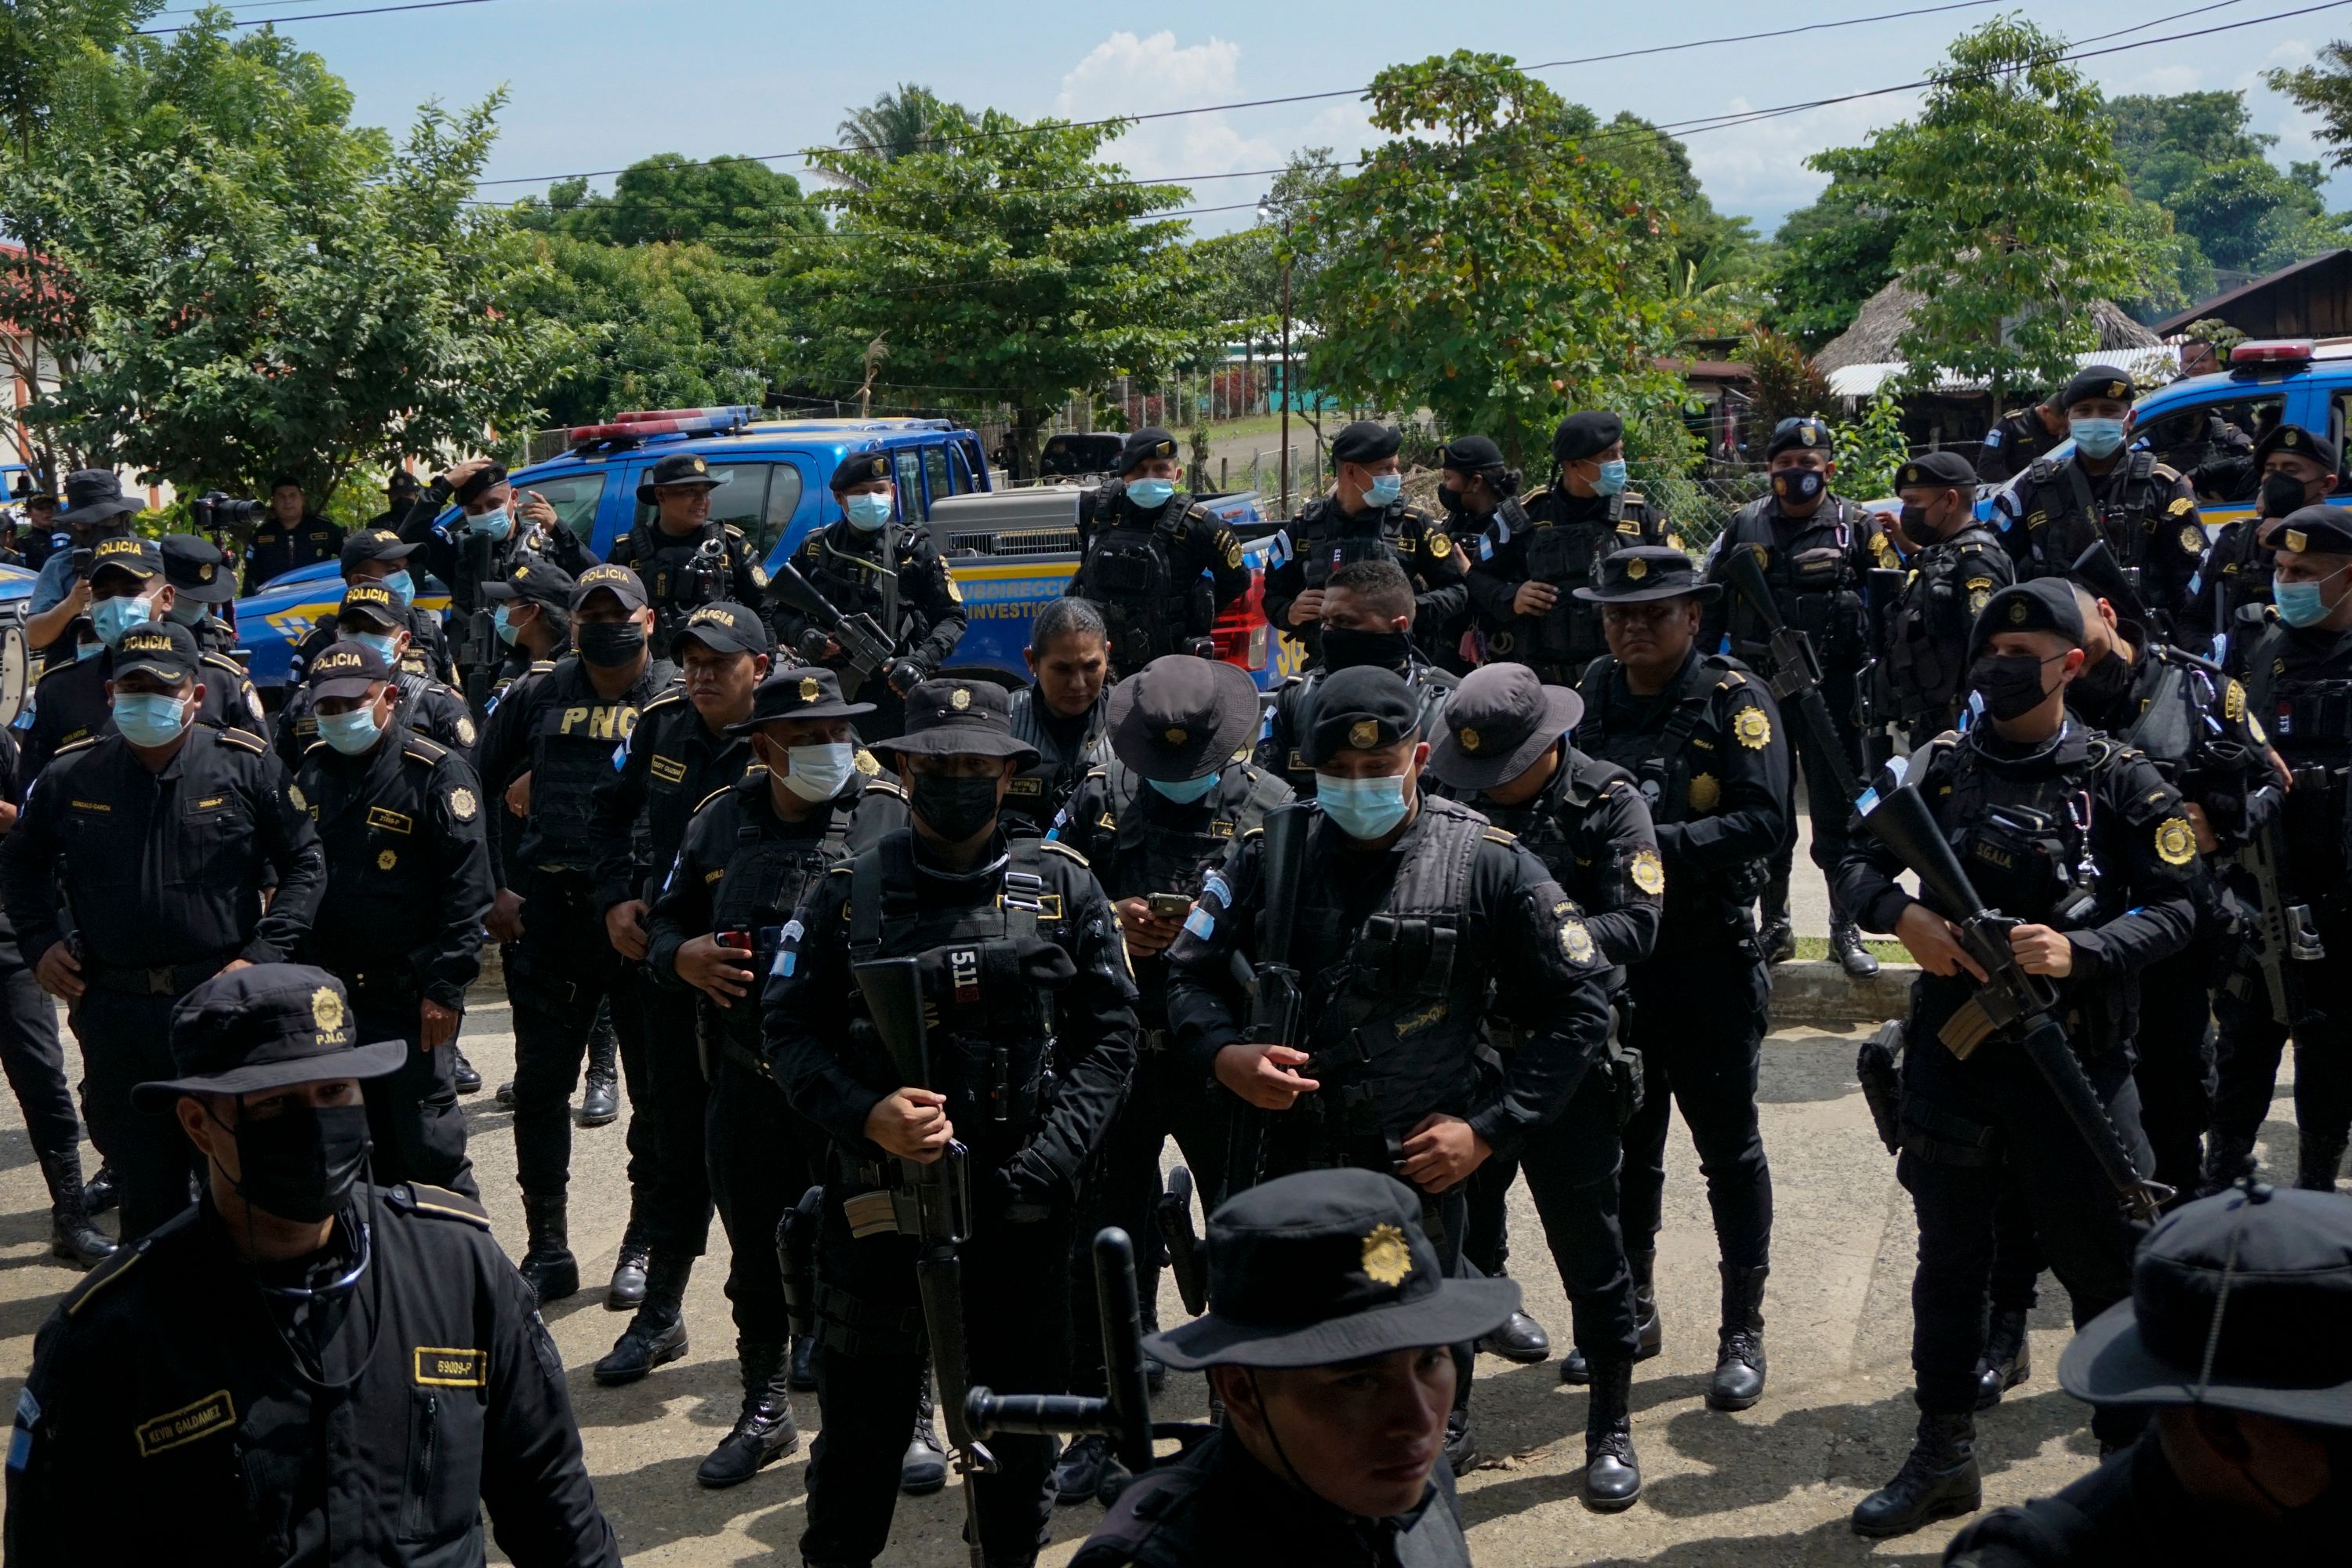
<point>401,982</point>
<point>166,980</point>
<point>742,1056</point>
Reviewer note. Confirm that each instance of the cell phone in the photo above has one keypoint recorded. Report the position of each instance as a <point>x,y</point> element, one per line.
<point>739,939</point>
<point>1171,907</point>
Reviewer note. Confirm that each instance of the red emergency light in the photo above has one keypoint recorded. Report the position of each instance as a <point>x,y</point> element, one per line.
<point>638,424</point>
<point>2273,351</point>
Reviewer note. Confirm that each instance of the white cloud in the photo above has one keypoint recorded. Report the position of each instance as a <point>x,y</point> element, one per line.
<point>1759,167</point>
<point>1127,74</point>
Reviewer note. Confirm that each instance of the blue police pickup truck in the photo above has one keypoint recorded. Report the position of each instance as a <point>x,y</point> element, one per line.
<point>1010,551</point>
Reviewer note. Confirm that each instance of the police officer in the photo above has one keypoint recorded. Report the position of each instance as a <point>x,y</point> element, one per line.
<point>1159,566</point>
<point>2144,511</point>
<point>201,582</point>
<point>1415,921</point>
<point>1063,712</point>
<point>561,731</point>
<point>2299,688</point>
<point>408,880</point>
<point>306,1365</point>
<point>687,560</point>
<point>1033,1039</point>
<point>1504,747</point>
<point>1176,795</point>
<point>402,491</point>
<point>844,561</point>
<point>494,528</point>
<point>2080,837</point>
<point>1365,517</point>
<point>1329,1315</point>
<point>1701,737</point>
<point>753,849</point>
<point>292,536</point>
<point>135,874</point>
<point>1959,564</point>
<point>2020,439</point>
<point>686,748</point>
<point>1479,492</point>
<point>532,617</point>
<point>372,617</point>
<point>1366,620</point>
<point>1528,566</point>
<point>38,537</point>
<point>380,555</point>
<point>129,591</point>
<point>96,510</point>
<point>1817,548</point>
<point>2298,470</point>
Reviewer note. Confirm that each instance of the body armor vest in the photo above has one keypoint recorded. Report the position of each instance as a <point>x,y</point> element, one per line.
<point>1151,856</point>
<point>2083,516</point>
<point>1131,574</point>
<point>1330,538</point>
<point>766,875</point>
<point>2306,705</point>
<point>1815,584</point>
<point>851,580</point>
<point>674,788</point>
<point>1928,635</point>
<point>1543,823</point>
<point>1040,790</point>
<point>1660,761</point>
<point>1566,556</point>
<point>573,742</point>
<point>680,574</point>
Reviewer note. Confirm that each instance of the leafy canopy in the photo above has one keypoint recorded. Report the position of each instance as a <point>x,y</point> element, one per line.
<point>669,198</point>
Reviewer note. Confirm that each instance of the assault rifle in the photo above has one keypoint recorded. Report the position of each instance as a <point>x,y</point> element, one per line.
<point>1278,1002</point>
<point>478,649</point>
<point>1796,669</point>
<point>932,1203</point>
<point>2283,934</point>
<point>2010,1001</point>
<point>865,646</point>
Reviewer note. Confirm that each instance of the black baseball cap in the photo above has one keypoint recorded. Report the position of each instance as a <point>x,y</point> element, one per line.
<point>1801,434</point>
<point>2319,530</point>
<point>165,649</point>
<point>266,1027</point>
<point>860,468</point>
<point>678,468</point>
<point>1361,708</point>
<point>1644,572</point>
<point>127,552</point>
<point>1937,470</point>
<point>1144,445</point>
<point>346,669</point>
<point>956,718</point>
<point>1586,435</point>
<point>800,691</point>
<point>373,601</point>
<point>1181,718</point>
<point>621,582</point>
<point>401,482</point>
<point>2294,438</point>
<point>1326,1266</point>
<point>197,569</point>
<point>1366,441</point>
<point>2044,605</point>
<point>2096,381</point>
<point>724,628</point>
<point>374,544</point>
<point>1498,722</point>
<point>540,581</point>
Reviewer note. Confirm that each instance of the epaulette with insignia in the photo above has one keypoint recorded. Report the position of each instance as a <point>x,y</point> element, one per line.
<point>2165,472</point>
<point>730,531</point>
<point>221,661</point>
<point>542,667</point>
<point>1535,495</point>
<point>440,1203</point>
<point>1097,773</point>
<point>1634,497</point>
<point>1731,679</point>
<point>670,698</point>
<point>714,795</point>
<point>842,870</point>
<point>114,1268</point>
<point>1058,848</point>
<point>1498,835</point>
<point>82,746</point>
<point>1250,833</point>
<point>57,669</point>
<point>884,786</point>
<point>242,740</point>
<point>312,747</point>
<point>428,752</point>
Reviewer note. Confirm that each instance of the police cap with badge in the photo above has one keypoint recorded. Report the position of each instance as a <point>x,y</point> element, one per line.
<point>534,580</point>
<point>1362,709</point>
<point>677,470</point>
<point>346,669</point>
<point>860,468</point>
<point>1937,470</point>
<point>1586,435</point>
<point>1181,718</point>
<point>724,628</point>
<point>127,554</point>
<point>2317,530</point>
<point>2096,382</point>
<point>956,718</point>
<point>374,544</point>
<point>1150,444</point>
<point>373,604</point>
<point>480,482</point>
<point>1471,455</point>
<point>798,691</point>
<point>1498,722</point>
<point>621,582</point>
<point>164,649</point>
<point>266,1027</point>
<point>197,570</point>
<point>2044,605</point>
<point>2298,441</point>
<point>1802,433</point>
<point>1366,441</point>
<point>1645,571</point>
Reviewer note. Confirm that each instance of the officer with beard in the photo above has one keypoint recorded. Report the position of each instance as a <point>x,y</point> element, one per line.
<point>1159,566</point>
<point>1365,517</point>
<point>1366,620</point>
<point>2298,470</point>
<point>1062,713</point>
<point>2081,840</point>
<point>1032,1039</point>
<point>1527,567</point>
<point>1959,564</point>
<point>1416,921</point>
<point>1700,736</point>
<point>1504,747</point>
<point>1177,794</point>
<point>304,1365</point>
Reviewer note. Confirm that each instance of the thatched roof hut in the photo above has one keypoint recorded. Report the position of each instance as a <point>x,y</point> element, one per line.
<point>1871,341</point>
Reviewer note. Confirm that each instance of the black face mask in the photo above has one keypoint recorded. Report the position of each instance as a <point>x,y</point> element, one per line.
<point>611,643</point>
<point>2102,685</point>
<point>2281,493</point>
<point>2010,683</point>
<point>1449,498</point>
<point>1795,487</point>
<point>301,1163</point>
<point>1345,648</point>
<point>1916,526</point>
<point>954,808</point>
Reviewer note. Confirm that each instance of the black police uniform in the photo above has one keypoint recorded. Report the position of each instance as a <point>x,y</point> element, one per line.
<point>428,647</point>
<point>1161,577</point>
<point>1033,1043</point>
<point>181,1405</point>
<point>1280,750</point>
<point>558,728</point>
<point>844,563</point>
<point>1067,749</point>
<point>1556,537</point>
<point>408,881</point>
<point>276,549</point>
<point>1324,537</point>
<point>1923,668</point>
<point>674,586</point>
<point>423,705</point>
<point>69,705</point>
<point>2014,445</point>
<point>464,562</point>
<point>2143,511</point>
<point>2235,594</point>
<point>155,878</point>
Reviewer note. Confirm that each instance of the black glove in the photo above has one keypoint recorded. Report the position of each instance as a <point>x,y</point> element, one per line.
<point>903,675</point>
<point>1022,1198</point>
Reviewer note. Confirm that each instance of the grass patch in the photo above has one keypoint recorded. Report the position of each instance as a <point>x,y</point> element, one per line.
<point>1886,952</point>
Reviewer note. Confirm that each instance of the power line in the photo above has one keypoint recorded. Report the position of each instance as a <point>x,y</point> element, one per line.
<point>317,16</point>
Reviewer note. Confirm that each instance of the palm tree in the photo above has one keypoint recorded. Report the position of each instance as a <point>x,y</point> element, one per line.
<point>896,124</point>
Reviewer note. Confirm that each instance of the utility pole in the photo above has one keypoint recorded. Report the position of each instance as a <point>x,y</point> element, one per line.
<point>1264,211</point>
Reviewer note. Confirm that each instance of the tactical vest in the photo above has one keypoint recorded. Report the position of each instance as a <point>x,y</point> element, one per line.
<point>1566,556</point>
<point>574,740</point>
<point>1322,549</point>
<point>2240,571</point>
<point>1815,586</point>
<point>1131,574</point>
<point>2085,517</point>
<point>991,1029</point>
<point>2174,692</point>
<point>2307,709</point>
<point>678,577</point>
<point>1040,790</point>
<point>852,581</point>
<point>766,875</point>
<point>1928,635</point>
<point>1543,824</point>
<point>1151,856</point>
<point>1660,761</point>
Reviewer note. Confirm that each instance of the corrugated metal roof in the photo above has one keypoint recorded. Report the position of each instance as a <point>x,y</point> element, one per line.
<point>2152,366</point>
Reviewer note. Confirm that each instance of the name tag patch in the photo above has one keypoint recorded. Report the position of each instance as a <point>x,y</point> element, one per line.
<point>389,820</point>
<point>444,1368</point>
<point>669,770</point>
<point>215,1412</point>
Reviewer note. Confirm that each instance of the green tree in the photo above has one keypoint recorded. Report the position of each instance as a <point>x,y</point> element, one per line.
<point>2323,88</point>
<point>1830,257</point>
<point>1006,266</point>
<point>911,120</point>
<point>1484,263</point>
<point>669,198</point>
<point>2193,154</point>
<point>45,42</point>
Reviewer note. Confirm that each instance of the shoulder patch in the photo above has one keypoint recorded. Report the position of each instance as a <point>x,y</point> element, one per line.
<point>242,740</point>
<point>1058,848</point>
<point>440,1203</point>
<point>428,752</point>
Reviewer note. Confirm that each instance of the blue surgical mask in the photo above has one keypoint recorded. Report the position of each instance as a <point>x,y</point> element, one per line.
<point>1185,793</point>
<point>400,587</point>
<point>2097,438</point>
<point>2303,604</point>
<point>1612,479</point>
<point>351,733</point>
<point>497,524</point>
<point>382,642</point>
<point>113,617</point>
<point>150,718</point>
<point>86,650</point>
<point>867,513</point>
<point>1362,808</point>
<point>1151,494</point>
<point>1385,489</point>
<point>189,612</point>
<point>505,627</point>
<point>817,772</point>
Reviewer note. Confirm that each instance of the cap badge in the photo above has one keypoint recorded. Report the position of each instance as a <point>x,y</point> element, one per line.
<point>1705,792</point>
<point>810,689</point>
<point>1807,434</point>
<point>2291,437</point>
<point>1176,735</point>
<point>1468,739</point>
<point>2119,389</point>
<point>1364,734</point>
<point>326,1011</point>
<point>2018,612</point>
<point>1387,1259</point>
<point>699,466</point>
<point>1635,570</point>
<point>2295,540</point>
<point>960,699</point>
<point>205,573</point>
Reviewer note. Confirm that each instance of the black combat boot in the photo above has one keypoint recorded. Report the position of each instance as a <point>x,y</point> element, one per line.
<point>1613,1476</point>
<point>505,1094</point>
<point>1939,1480</point>
<point>548,1265</point>
<point>801,1378</point>
<point>1079,1474</point>
<point>463,1073</point>
<point>101,1191</point>
<point>600,1091</point>
<point>2226,1159</point>
<point>71,1236</point>
<point>1649,1338</point>
<point>2008,1359</point>
<point>627,1288</point>
<point>923,1469</point>
<point>1738,1380</point>
<point>2319,1163</point>
<point>1846,946</point>
<point>764,1432</point>
<point>1775,937</point>
<point>656,1335</point>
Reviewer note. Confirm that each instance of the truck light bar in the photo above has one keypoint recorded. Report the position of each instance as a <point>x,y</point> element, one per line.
<point>2274,351</point>
<point>638,424</point>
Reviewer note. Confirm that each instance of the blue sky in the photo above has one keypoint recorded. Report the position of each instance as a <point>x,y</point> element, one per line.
<point>596,84</point>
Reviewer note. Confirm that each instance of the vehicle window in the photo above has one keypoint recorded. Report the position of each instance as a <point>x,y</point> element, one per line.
<point>783,499</point>
<point>2213,443</point>
<point>959,460</point>
<point>909,469</point>
<point>575,498</point>
<point>935,472</point>
<point>2339,416</point>
<point>741,497</point>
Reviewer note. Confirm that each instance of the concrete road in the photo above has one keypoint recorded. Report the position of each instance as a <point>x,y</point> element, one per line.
<point>1772,1485</point>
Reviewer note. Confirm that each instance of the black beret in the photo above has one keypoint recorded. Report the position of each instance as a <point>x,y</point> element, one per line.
<point>2096,381</point>
<point>2044,605</point>
<point>472,490</point>
<point>860,468</point>
<point>1582,435</point>
<point>1803,434</point>
<point>1937,470</point>
<point>2301,442</point>
<point>1365,442</point>
<point>2320,530</point>
<point>1360,708</point>
<point>1144,445</point>
<point>1470,455</point>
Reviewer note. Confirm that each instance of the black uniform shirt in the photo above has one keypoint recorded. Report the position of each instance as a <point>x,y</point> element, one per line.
<point>277,549</point>
<point>1419,544</point>
<point>2011,446</point>
<point>669,765</point>
<point>1591,829</point>
<point>660,557</point>
<point>844,561</point>
<point>540,714</point>
<point>423,705</point>
<point>69,704</point>
<point>2154,529</point>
